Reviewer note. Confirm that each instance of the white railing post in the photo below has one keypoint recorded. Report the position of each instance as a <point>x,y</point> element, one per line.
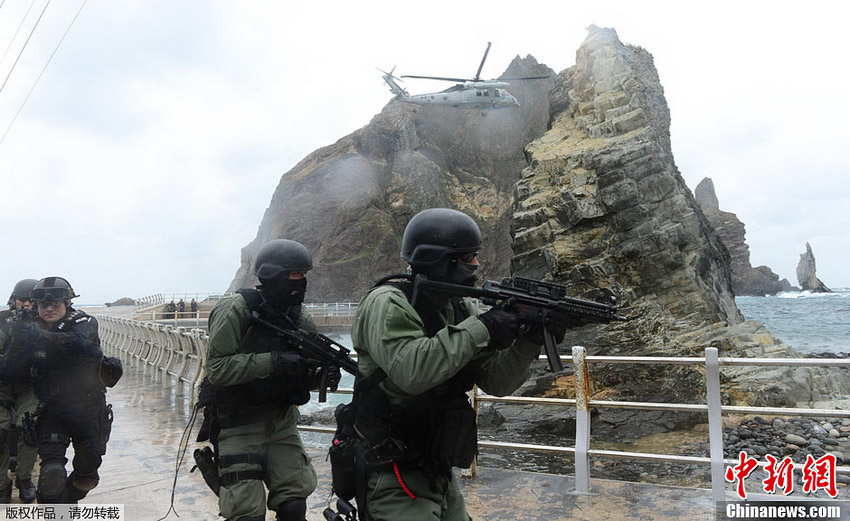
<point>582,421</point>
<point>715,423</point>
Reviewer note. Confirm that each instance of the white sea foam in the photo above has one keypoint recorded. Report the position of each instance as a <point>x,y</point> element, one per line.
<point>839,293</point>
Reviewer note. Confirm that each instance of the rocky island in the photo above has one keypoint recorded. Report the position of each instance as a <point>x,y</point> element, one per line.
<point>807,273</point>
<point>746,280</point>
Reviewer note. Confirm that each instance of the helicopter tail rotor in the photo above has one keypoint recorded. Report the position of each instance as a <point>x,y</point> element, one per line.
<point>395,88</point>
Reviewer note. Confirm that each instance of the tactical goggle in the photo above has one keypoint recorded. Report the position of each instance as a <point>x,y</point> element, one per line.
<point>467,257</point>
<point>50,294</point>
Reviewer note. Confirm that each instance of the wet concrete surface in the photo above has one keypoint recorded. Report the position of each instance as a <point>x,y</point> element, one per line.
<point>138,471</point>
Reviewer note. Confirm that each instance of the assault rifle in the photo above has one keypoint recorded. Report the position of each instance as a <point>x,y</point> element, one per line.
<point>318,347</point>
<point>538,303</point>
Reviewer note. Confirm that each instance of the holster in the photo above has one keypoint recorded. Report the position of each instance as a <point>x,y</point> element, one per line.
<point>28,430</point>
<point>204,460</point>
<point>341,454</point>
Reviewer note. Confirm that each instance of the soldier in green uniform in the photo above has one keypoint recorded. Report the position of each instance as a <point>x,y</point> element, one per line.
<point>258,380</point>
<point>419,355</point>
<point>16,394</point>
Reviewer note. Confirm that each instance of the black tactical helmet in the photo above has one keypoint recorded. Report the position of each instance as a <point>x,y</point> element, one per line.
<point>22,291</point>
<point>280,255</point>
<point>433,234</point>
<point>52,289</point>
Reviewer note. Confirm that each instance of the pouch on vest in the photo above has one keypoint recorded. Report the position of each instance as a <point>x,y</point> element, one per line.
<point>455,436</point>
<point>111,371</point>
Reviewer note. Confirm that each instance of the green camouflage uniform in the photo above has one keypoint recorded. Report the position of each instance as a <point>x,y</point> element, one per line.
<point>15,392</point>
<point>287,471</point>
<point>389,334</point>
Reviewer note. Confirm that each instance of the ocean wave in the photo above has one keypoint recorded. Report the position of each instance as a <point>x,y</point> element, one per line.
<point>838,293</point>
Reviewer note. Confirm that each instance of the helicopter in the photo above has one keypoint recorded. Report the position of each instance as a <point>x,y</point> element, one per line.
<point>473,93</point>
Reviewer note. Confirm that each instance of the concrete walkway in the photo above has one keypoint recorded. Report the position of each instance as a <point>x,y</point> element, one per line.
<point>138,471</point>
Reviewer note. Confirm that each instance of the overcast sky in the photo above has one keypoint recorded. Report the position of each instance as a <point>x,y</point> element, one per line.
<point>147,153</point>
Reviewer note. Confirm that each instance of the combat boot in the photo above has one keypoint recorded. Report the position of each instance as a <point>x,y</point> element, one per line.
<point>26,490</point>
<point>6,495</point>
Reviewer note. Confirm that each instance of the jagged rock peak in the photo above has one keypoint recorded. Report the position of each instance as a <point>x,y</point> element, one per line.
<point>706,197</point>
<point>746,280</point>
<point>807,273</point>
<point>602,204</point>
<point>603,209</point>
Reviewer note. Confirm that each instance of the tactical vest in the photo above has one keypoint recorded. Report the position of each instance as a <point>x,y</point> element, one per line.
<point>437,428</point>
<point>265,392</point>
<point>70,376</point>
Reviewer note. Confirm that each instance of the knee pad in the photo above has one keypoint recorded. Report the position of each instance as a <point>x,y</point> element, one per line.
<point>51,480</point>
<point>292,510</point>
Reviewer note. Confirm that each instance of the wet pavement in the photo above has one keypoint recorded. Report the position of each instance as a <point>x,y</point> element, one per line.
<point>138,471</point>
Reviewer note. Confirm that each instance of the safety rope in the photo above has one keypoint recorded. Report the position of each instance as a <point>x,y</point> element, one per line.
<point>401,481</point>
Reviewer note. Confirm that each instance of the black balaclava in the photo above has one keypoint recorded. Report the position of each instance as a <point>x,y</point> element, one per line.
<point>453,271</point>
<point>282,292</point>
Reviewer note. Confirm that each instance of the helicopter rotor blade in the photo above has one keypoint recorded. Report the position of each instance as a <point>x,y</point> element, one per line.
<point>527,78</point>
<point>478,74</point>
<point>459,80</point>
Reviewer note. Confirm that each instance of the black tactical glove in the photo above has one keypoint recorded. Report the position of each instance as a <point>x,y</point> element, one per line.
<point>24,331</point>
<point>502,325</point>
<point>334,376</point>
<point>292,367</point>
<point>534,332</point>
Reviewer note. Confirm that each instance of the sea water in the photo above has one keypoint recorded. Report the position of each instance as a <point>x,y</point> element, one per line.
<point>808,322</point>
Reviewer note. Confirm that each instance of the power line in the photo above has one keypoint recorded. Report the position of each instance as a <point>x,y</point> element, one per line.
<point>25,46</point>
<point>42,71</point>
<point>16,30</point>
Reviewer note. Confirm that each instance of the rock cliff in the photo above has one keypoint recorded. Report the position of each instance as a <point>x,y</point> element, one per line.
<point>746,280</point>
<point>603,209</point>
<point>807,273</point>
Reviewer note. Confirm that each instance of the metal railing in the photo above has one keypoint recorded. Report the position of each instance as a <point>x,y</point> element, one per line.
<point>178,353</point>
<point>173,355</point>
